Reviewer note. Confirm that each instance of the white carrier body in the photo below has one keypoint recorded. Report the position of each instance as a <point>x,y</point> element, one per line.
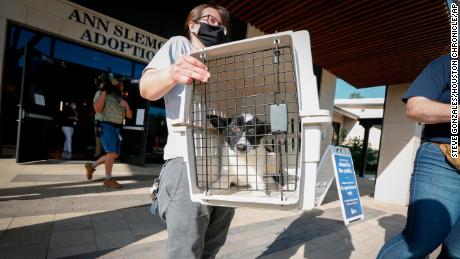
<point>299,158</point>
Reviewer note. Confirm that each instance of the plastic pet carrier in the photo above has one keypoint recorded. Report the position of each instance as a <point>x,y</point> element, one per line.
<point>254,129</point>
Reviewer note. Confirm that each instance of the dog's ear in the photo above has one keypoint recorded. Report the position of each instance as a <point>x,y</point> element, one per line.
<point>263,127</point>
<point>218,122</point>
<point>268,128</point>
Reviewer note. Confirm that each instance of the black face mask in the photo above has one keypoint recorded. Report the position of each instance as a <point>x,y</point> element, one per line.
<point>211,35</point>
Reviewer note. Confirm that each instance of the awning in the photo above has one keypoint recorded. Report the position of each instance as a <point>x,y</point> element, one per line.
<point>366,43</point>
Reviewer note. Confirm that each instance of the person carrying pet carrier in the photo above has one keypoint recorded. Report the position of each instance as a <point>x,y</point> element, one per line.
<point>194,230</point>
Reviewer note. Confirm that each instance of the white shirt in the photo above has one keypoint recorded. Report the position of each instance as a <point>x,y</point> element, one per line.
<point>165,57</point>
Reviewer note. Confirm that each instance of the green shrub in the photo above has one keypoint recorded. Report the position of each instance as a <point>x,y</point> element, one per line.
<point>356,145</point>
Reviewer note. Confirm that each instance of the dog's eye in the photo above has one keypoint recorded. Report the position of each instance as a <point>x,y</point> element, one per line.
<point>235,129</point>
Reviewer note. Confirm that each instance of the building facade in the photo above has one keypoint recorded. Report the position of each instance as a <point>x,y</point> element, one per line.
<point>51,51</point>
<point>347,116</point>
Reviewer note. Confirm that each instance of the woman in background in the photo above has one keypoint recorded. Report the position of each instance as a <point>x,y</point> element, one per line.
<point>70,120</point>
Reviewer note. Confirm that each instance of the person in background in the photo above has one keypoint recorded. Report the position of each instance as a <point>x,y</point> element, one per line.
<point>194,230</point>
<point>70,120</point>
<point>433,217</point>
<point>112,109</point>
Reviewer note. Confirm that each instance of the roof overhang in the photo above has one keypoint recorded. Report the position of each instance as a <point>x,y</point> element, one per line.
<point>366,43</point>
<point>345,113</point>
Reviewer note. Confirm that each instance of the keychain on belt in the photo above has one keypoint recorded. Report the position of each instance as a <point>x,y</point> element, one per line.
<point>154,196</point>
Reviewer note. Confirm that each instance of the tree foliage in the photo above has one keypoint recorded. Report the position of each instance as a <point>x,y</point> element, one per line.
<point>356,145</point>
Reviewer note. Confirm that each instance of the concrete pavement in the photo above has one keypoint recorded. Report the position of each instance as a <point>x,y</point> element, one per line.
<point>50,210</point>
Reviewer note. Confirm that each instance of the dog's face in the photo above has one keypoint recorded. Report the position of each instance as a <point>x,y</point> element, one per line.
<point>242,133</point>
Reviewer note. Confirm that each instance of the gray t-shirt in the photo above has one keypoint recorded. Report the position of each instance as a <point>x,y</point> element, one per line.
<point>174,99</point>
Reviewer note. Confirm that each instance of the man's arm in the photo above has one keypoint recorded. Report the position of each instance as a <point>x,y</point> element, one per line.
<point>426,111</point>
<point>154,84</point>
<point>100,101</point>
<point>129,113</point>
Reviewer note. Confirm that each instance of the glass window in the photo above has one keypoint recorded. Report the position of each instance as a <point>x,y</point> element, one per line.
<point>18,37</point>
<point>138,68</point>
<point>92,58</point>
<point>44,46</point>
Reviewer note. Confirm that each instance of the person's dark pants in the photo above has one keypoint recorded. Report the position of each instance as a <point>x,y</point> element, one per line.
<point>434,209</point>
<point>194,230</point>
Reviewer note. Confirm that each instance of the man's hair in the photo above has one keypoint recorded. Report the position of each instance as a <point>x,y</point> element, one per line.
<point>197,12</point>
<point>106,82</point>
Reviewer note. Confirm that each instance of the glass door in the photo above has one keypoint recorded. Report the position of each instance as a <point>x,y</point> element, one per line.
<point>35,112</point>
<point>135,130</point>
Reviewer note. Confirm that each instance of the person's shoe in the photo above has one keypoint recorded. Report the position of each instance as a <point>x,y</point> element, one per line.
<point>112,184</point>
<point>89,170</point>
<point>65,155</point>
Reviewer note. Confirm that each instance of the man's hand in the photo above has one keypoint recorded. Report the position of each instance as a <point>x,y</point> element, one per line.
<point>124,104</point>
<point>155,84</point>
<point>188,68</point>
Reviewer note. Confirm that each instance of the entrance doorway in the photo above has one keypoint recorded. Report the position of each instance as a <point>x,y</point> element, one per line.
<point>49,86</point>
<point>43,75</point>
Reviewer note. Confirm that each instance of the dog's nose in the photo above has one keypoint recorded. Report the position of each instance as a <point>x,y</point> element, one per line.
<point>241,147</point>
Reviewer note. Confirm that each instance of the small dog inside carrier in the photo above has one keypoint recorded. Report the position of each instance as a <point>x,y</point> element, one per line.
<point>245,124</point>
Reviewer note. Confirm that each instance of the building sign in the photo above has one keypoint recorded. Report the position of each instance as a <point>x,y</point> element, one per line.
<point>337,162</point>
<point>110,34</point>
<point>72,21</point>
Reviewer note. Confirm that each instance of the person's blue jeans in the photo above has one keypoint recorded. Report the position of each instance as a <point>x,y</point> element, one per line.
<point>434,209</point>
